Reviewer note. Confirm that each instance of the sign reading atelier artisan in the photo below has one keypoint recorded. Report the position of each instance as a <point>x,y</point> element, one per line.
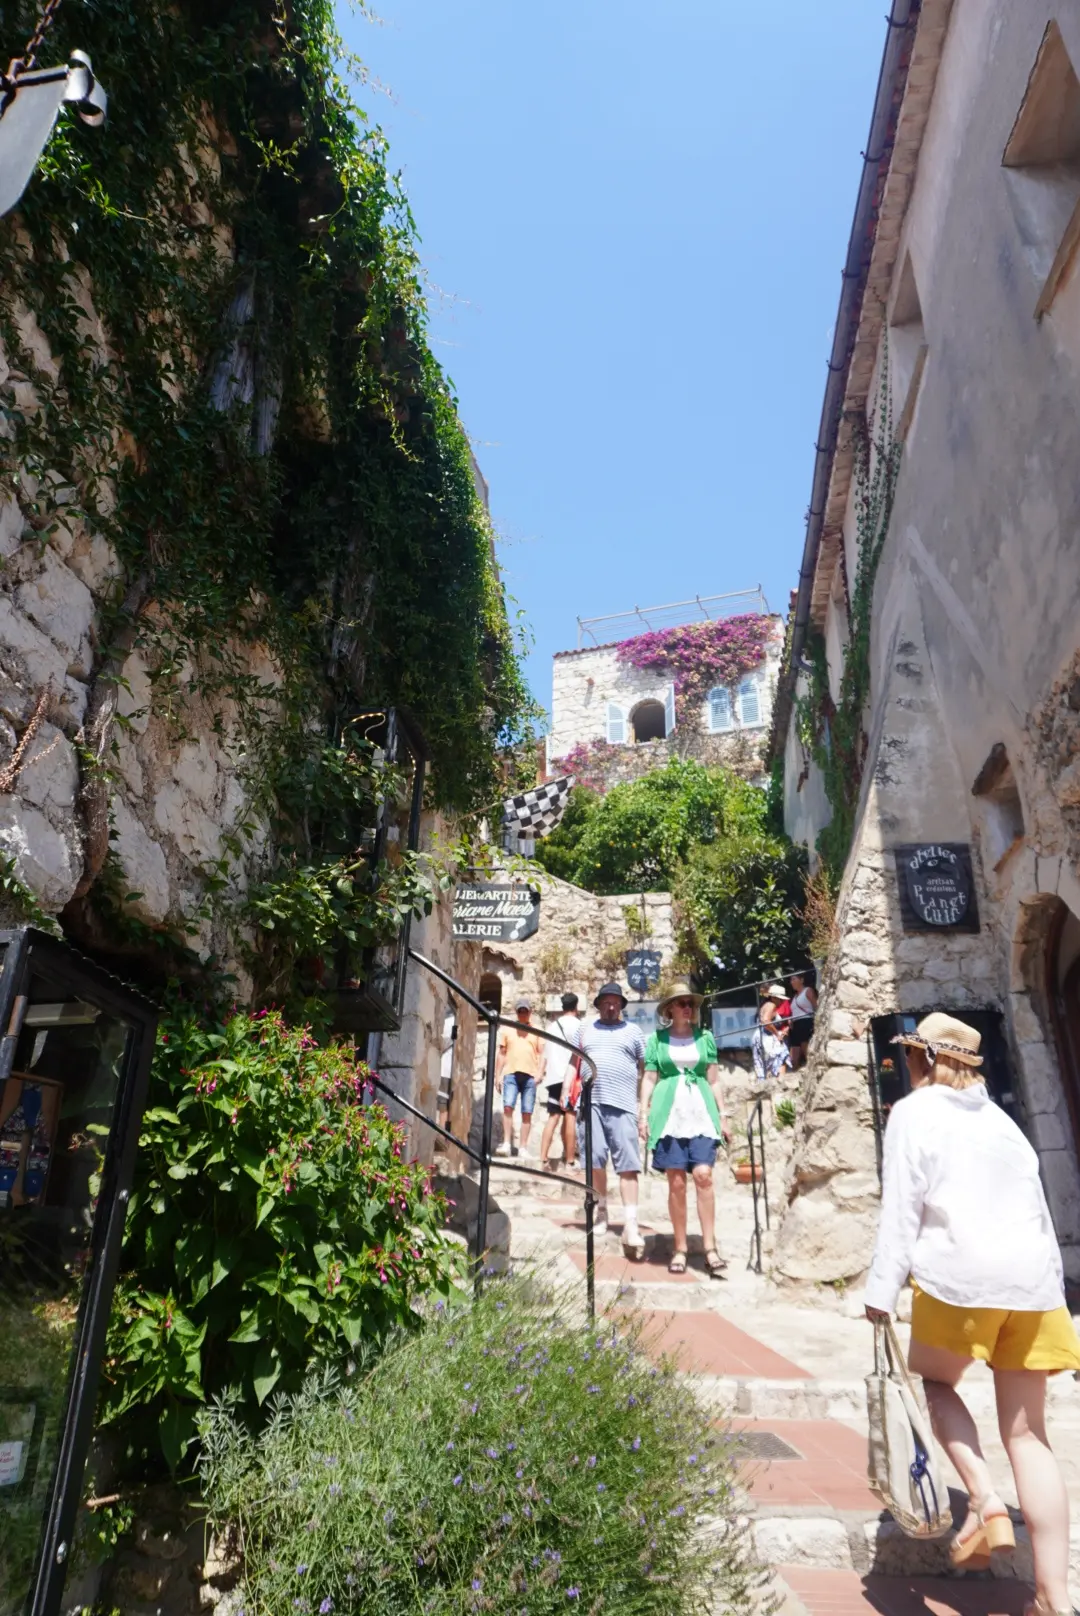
<point>492,913</point>
<point>936,889</point>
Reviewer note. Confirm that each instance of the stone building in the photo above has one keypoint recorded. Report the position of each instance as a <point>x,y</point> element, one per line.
<point>612,721</point>
<point>958,342</point>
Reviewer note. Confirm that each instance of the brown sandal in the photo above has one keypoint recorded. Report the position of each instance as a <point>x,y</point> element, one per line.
<point>677,1265</point>
<point>715,1263</point>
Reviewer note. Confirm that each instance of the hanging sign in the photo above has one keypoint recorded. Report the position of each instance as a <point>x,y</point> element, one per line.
<point>491,913</point>
<point>936,888</point>
<point>642,969</point>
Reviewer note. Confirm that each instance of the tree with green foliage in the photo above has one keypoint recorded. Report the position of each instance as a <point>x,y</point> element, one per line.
<point>707,836</point>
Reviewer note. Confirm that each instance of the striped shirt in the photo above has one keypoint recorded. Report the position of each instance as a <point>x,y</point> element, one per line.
<point>616,1050</point>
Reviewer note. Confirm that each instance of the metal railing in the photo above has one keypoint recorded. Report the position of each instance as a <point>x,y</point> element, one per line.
<point>699,608</point>
<point>483,1156</point>
<point>757,1156</point>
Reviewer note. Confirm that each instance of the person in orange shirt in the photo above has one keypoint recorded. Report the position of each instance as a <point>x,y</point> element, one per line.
<point>519,1067</point>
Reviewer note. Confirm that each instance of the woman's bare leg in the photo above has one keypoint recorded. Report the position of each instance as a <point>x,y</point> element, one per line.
<point>953,1425</point>
<point>706,1205</point>
<point>550,1126</point>
<point>1021,1402</point>
<point>676,1200</point>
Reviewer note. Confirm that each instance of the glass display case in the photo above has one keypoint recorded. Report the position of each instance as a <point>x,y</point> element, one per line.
<point>75,1053</point>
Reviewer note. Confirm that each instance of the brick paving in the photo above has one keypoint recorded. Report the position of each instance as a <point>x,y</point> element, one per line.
<point>708,1344</point>
<point>831,1470</point>
<point>845,1593</point>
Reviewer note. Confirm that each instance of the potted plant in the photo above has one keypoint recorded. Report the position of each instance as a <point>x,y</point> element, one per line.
<point>743,1172</point>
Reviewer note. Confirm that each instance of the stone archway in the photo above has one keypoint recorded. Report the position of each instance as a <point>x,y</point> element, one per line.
<point>649,721</point>
<point>1046,1027</point>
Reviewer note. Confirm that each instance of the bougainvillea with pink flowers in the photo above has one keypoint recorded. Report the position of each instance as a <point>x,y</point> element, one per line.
<point>700,656</point>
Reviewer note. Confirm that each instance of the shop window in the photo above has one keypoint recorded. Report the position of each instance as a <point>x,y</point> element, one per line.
<point>890,1075</point>
<point>720,709</point>
<point>1042,167</point>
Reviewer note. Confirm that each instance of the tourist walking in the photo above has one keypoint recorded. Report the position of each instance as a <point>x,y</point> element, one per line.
<point>557,1079</point>
<point>682,1118</point>
<point>964,1214</point>
<point>519,1066</point>
<point>768,1045</point>
<point>803,1010</point>
<point>618,1051</point>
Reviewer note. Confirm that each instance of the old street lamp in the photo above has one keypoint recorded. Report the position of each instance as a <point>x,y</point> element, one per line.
<point>75,1053</point>
<point>370,990</point>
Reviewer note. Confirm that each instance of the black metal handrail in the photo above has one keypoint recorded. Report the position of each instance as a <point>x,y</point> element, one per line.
<point>757,1116</point>
<point>483,1156</point>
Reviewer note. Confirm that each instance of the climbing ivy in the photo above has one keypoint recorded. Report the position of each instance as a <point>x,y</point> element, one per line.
<point>833,733</point>
<point>244,404</point>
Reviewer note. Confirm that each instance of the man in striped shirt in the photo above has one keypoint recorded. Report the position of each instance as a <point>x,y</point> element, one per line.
<point>618,1051</point>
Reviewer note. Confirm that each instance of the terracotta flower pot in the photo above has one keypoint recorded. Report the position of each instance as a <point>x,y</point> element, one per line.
<point>744,1173</point>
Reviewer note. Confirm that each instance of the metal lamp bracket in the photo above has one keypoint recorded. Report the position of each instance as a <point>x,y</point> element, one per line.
<point>30,103</point>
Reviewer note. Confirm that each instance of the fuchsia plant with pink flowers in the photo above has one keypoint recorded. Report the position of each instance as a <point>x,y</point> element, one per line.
<point>701,656</point>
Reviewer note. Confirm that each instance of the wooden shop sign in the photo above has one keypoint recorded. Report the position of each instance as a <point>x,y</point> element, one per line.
<point>937,891</point>
<point>490,913</point>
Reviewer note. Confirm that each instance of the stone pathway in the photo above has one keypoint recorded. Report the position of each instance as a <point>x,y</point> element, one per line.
<point>786,1371</point>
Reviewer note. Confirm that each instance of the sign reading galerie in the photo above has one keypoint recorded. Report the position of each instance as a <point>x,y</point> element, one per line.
<point>488,912</point>
<point>936,888</point>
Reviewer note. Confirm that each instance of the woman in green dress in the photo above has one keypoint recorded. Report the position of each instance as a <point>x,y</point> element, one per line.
<point>683,1119</point>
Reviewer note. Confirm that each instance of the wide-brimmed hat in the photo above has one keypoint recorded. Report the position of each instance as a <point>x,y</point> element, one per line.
<point>610,987</point>
<point>940,1034</point>
<point>776,991</point>
<point>681,990</point>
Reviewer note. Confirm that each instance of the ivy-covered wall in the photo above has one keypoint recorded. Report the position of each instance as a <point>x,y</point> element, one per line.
<point>239,508</point>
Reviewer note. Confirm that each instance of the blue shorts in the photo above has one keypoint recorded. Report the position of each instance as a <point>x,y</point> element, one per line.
<point>683,1154</point>
<point>518,1083</point>
<point>614,1135</point>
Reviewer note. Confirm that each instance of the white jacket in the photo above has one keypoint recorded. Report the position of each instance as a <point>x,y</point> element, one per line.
<point>962,1207</point>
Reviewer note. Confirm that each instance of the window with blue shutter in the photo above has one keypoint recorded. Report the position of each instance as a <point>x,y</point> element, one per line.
<point>669,711</point>
<point>616,724</point>
<point>719,709</point>
<point>750,701</point>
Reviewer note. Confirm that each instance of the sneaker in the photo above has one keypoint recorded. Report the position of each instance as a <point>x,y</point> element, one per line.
<point>633,1245</point>
<point>600,1224</point>
<point>526,1153</point>
<point>503,1149</point>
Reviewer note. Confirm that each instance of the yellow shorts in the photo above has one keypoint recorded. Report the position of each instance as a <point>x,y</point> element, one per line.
<point>1004,1340</point>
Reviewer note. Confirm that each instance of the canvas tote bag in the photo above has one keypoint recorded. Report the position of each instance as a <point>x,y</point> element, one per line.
<point>904,1469</point>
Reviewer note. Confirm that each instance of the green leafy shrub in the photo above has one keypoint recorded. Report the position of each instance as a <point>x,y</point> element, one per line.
<point>785,1112</point>
<point>274,1221</point>
<point>703,834</point>
<point>506,1459</point>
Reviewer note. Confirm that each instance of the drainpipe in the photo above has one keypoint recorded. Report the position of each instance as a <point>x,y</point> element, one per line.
<point>891,80</point>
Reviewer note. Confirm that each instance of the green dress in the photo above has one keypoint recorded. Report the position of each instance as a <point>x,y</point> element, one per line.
<point>658,1059</point>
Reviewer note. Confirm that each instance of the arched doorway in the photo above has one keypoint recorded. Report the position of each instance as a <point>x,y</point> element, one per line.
<point>1063,998</point>
<point>490,991</point>
<point>649,721</point>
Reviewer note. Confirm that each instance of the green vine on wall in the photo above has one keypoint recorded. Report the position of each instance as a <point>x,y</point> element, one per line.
<point>245,405</point>
<point>833,733</point>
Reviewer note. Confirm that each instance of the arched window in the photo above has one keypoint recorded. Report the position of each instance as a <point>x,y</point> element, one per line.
<point>749,701</point>
<point>616,724</point>
<point>490,991</point>
<point>649,721</point>
<point>719,709</point>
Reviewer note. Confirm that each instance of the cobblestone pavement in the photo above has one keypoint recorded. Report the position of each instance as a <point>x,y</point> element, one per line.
<point>786,1368</point>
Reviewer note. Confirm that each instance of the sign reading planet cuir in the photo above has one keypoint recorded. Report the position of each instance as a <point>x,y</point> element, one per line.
<point>938,883</point>
<point>492,913</point>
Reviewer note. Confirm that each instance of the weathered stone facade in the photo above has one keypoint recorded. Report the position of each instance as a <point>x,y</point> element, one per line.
<point>973,721</point>
<point>597,697</point>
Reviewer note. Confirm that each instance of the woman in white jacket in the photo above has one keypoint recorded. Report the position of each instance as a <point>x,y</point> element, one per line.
<point>964,1215</point>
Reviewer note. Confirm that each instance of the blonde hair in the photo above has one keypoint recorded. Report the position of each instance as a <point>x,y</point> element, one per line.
<point>953,1074</point>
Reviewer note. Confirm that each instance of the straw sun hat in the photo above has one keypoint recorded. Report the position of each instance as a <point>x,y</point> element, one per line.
<point>777,991</point>
<point>679,990</point>
<point>940,1034</point>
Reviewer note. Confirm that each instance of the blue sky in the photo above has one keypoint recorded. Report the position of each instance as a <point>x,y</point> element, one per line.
<point>633,218</point>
